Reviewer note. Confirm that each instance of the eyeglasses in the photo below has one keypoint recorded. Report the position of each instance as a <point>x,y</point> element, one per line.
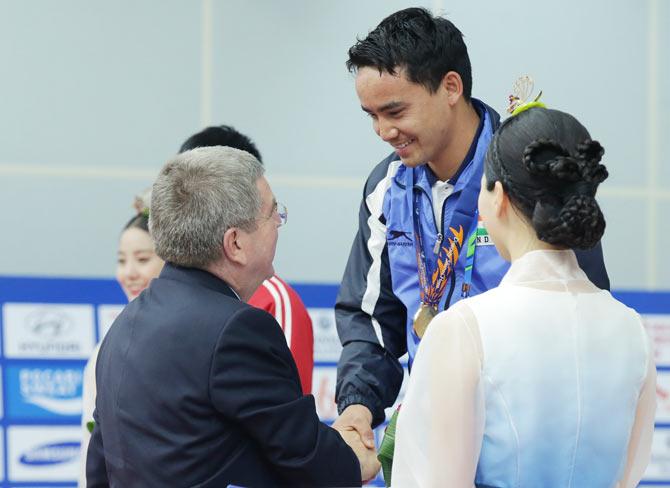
<point>282,212</point>
<point>279,214</point>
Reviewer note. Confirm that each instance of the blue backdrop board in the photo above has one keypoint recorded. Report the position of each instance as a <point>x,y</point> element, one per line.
<point>49,327</point>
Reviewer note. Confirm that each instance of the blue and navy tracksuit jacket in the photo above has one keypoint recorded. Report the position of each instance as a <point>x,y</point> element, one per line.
<point>379,294</point>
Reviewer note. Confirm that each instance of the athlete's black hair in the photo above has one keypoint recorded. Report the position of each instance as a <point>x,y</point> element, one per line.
<point>425,46</point>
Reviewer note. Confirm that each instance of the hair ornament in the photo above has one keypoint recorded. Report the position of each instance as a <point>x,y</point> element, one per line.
<point>521,92</point>
<point>142,203</point>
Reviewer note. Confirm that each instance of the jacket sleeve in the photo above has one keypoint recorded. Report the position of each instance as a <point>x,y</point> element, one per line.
<point>370,319</point>
<point>254,382</point>
<point>592,263</point>
<point>96,470</point>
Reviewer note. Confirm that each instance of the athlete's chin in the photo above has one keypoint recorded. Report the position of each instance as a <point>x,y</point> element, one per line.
<point>411,162</point>
<point>410,156</point>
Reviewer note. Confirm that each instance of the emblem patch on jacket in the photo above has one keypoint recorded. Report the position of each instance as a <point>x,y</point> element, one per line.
<point>483,237</point>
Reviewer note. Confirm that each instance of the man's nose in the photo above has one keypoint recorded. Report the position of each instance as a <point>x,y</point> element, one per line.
<point>386,130</point>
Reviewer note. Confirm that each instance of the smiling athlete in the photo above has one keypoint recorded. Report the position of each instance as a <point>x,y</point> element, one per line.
<point>419,247</point>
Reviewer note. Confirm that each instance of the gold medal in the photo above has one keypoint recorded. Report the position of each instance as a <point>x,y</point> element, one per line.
<point>422,318</point>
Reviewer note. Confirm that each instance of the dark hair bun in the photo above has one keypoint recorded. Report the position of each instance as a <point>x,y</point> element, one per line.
<point>569,215</point>
<point>591,152</point>
<point>550,160</point>
<point>577,224</point>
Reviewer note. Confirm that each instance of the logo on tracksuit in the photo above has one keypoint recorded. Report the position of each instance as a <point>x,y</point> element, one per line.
<point>399,238</point>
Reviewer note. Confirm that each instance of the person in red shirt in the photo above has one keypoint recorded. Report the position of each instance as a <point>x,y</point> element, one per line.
<point>274,296</point>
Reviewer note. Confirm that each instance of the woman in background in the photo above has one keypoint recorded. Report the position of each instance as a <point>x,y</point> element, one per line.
<point>546,380</point>
<point>137,265</point>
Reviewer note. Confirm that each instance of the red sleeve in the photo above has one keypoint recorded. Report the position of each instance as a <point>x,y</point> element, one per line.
<point>276,297</point>
<point>302,341</point>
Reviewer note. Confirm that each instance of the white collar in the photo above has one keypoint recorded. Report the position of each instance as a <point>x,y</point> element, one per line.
<point>545,265</point>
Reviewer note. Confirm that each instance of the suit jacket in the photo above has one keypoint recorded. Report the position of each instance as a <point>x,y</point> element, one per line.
<point>198,389</point>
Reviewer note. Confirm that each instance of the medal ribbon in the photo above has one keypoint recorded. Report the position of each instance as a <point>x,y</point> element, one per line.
<point>447,256</point>
<point>470,257</point>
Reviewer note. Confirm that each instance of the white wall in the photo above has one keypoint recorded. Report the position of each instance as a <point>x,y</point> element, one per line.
<point>94,97</point>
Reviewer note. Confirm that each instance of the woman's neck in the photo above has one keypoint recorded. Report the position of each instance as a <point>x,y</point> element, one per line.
<point>533,244</point>
<point>522,238</point>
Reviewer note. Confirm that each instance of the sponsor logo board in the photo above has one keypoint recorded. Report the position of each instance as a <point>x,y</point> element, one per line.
<point>106,316</point>
<point>658,329</point>
<point>659,465</point>
<point>44,392</point>
<point>663,397</point>
<point>43,453</point>
<point>2,455</point>
<point>323,389</point>
<point>2,413</point>
<point>327,345</point>
<point>34,330</point>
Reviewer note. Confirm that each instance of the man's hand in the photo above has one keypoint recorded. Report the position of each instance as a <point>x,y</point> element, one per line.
<point>359,419</point>
<point>366,457</point>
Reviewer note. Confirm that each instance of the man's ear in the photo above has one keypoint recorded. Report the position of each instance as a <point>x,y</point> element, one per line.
<point>234,245</point>
<point>453,84</point>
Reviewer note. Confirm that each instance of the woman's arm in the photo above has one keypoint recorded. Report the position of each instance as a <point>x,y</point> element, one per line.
<point>441,422</point>
<point>639,445</point>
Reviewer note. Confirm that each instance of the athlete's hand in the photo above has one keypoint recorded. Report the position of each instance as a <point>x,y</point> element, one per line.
<point>367,458</point>
<point>358,418</point>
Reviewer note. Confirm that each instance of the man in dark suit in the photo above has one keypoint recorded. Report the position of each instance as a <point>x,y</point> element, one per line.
<point>195,387</point>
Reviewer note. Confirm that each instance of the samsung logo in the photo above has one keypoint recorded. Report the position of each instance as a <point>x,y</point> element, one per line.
<point>48,454</point>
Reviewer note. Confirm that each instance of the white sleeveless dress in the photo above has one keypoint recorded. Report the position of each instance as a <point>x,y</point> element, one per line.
<point>545,381</point>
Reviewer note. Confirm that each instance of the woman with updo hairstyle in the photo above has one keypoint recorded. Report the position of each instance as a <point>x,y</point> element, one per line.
<point>554,185</point>
<point>546,380</point>
<point>137,264</point>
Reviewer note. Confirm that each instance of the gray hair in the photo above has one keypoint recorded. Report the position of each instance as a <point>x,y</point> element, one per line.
<point>197,197</point>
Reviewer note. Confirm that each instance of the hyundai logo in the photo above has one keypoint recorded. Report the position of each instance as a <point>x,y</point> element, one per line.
<point>48,323</point>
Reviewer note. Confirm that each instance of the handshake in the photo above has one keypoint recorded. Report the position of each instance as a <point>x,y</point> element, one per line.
<point>354,427</point>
